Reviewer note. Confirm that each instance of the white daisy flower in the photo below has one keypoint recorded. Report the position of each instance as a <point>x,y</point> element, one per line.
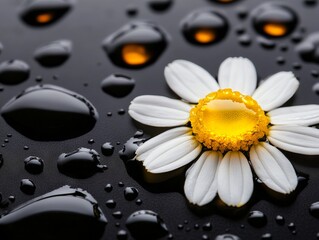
<point>230,120</point>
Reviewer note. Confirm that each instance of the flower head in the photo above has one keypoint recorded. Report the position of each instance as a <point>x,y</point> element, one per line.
<point>229,120</point>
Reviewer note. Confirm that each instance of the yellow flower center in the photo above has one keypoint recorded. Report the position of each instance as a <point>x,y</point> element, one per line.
<point>228,121</point>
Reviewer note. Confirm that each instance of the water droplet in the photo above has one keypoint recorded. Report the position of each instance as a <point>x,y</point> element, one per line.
<point>129,148</point>
<point>49,112</point>
<point>314,209</point>
<point>266,43</point>
<point>108,187</point>
<point>14,72</point>
<point>296,65</point>
<point>121,184</point>
<point>81,163</point>
<point>109,114</point>
<point>117,214</point>
<point>291,226</point>
<point>315,88</point>
<point>136,45</point>
<point>310,2</point>
<point>130,193</point>
<point>274,20</point>
<point>39,13</point>
<point>118,85</point>
<point>39,79</point>
<point>122,235</point>
<point>121,111</point>
<point>309,48</point>
<point>242,12</point>
<point>54,54</point>
<point>110,203</point>
<point>131,10</point>
<point>33,164</point>
<point>244,40</point>
<point>107,149</point>
<point>205,237</point>
<point>207,226</point>
<point>146,224</point>
<point>26,147</point>
<point>27,187</point>
<point>297,37</point>
<point>266,236</point>
<point>180,226</point>
<point>91,141</point>
<point>65,213</point>
<point>204,27</point>
<point>315,73</point>
<point>280,220</point>
<point>139,202</point>
<point>11,198</point>
<point>227,236</point>
<point>160,5</point>
<point>257,219</point>
<point>280,60</point>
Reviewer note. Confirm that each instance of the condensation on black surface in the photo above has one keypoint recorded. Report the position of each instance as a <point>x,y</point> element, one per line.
<point>146,224</point>
<point>38,13</point>
<point>136,45</point>
<point>81,163</point>
<point>118,85</point>
<point>204,27</point>
<point>309,48</point>
<point>33,164</point>
<point>14,71</point>
<point>49,112</point>
<point>54,54</point>
<point>65,213</point>
<point>274,20</point>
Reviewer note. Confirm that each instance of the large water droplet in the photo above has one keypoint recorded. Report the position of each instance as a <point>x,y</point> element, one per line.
<point>65,213</point>
<point>27,186</point>
<point>257,219</point>
<point>146,224</point>
<point>14,72</point>
<point>309,48</point>
<point>54,54</point>
<point>39,13</point>
<point>227,236</point>
<point>204,27</point>
<point>33,164</point>
<point>49,112</point>
<point>118,85</point>
<point>81,163</point>
<point>160,5</point>
<point>136,45</point>
<point>274,20</point>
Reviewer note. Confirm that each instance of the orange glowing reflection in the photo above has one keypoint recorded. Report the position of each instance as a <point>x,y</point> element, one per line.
<point>205,36</point>
<point>44,18</point>
<point>135,54</point>
<point>275,29</point>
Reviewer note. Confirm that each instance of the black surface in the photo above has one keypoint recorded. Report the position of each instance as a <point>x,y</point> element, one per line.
<point>86,25</point>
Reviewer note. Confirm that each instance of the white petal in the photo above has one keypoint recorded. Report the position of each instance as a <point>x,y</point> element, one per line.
<point>201,179</point>
<point>297,139</point>
<point>189,81</point>
<point>276,90</point>
<point>173,154</point>
<point>159,111</point>
<point>235,180</point>
<point>297,115</point>
<point>144,150</point>
<point>238,74</point>
<point>273,168</point>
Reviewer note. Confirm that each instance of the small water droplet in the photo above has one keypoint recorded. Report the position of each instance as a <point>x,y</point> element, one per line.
<point>122,235</point>
<point>118,85</point>
<point>139,202</point>
<point>274,20</point>
<point>204,27</point>
<point>38,13</point>
<point>27,186</point>
<point>38,78</point>
<point>130,193</point>
<point>53,54</point>
<point>227,236</point>
<point>180,226</point>
<point>81,163</point>
<point>136,45</point>
<point>296,65</point>
<point>33,164</point>
<point>257,219</point>
<point>291,226</point>
<point>73,210</point>
<point>108,187</point>
<point>280,60</point>
<point>310,2</point>
<point>26,147</point>
<point>244,40</point>
<point>131,10</point>
<point>266,236</point>
<point>297,37</point>
<point>91,141</point>
<point>121,184</point>
<point>146,224</point>
<point>107,149</point>
<point>14,72</point>
<point>266,43</point>
<point>110,203</point>
<point>314,209</point>
<point>160,5</point>
<point>207,226</point>
<point>315,88</point>
<point>117,214</point>
<point>315,73</point>
<point>58,113</point>
<point>280,220</point>
<point>242,12</point>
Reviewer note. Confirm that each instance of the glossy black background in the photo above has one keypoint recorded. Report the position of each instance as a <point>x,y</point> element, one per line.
<point>86,26</point>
